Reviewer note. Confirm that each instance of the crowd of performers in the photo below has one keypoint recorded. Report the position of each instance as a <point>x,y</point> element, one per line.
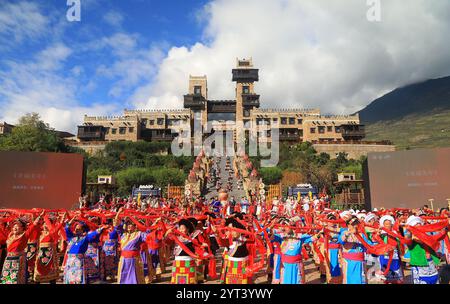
<point>123,242</point>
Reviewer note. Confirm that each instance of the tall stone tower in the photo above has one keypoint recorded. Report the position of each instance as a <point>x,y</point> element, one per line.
<point>198,87</point>
<point>245,76</point>
<point>196,101</point>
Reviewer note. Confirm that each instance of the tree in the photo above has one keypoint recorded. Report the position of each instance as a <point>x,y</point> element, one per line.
<point>271,175</point>
<point>130,177</point>
<point>323,158</point>
<point>92,175</point>
<point>172,176</point>
<point>159,177</point>
<point>32,134</point>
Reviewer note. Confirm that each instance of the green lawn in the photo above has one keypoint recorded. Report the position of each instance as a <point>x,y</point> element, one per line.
<point>429,130</point>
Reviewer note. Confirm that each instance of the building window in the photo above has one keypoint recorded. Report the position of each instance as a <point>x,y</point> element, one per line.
<point>113,131</point>
<point>197,90</point>
<point>321,129</point>
<point>160,121</point>
<point>122,130</point>
<point>329,129</point>
<point>275,121</point>
<point>313,130</point>
<point>246,113</point>
<point>292,121</point>
<point>106,130</point>
<point>337,129</point>
<point>144,121</point>
<point>299,121</point>
<point>131,129</point>
<point>283,120</point>
<point>151,122</point>
<point>300,133</point>
<point>245,90</point>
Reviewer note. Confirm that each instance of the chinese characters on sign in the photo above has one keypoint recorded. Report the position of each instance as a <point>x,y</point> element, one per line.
<point>29,176</point>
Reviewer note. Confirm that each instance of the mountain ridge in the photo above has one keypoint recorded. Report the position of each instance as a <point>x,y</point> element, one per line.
<point>427,96</point>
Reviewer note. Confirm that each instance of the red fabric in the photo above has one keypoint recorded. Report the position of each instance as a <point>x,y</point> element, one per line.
<point>291,259</point>
<point>378,249</point>
<point>430,240</point>
<point>354,256</point>
<point>129,253</point>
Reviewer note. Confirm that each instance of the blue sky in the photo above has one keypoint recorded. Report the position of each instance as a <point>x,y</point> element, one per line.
<point>139,53</point>
<point>137,24</point>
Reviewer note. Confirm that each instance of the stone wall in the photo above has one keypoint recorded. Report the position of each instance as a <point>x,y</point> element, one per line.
<point>354,151</point>
<point>90,148</point>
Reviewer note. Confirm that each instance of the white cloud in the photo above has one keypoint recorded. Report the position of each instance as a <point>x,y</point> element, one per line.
<point>113,18</point>
<point>37,86</point>
<point>310,53</point>
<point>21,21</point>
<point>131,64</point>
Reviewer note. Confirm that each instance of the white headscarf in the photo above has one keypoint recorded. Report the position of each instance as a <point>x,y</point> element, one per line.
<point>344,213</point>
<point>369,217</point>
<point>361,216</point>
<point>414,220</point>
<point>386,218</point>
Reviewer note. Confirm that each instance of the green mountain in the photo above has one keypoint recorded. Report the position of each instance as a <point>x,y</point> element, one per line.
<point>423,97</point>
<point>414,116</point>
<point>429,130</point>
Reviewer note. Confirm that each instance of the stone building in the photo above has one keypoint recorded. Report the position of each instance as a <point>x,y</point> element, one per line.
<point>5,128</point>
<point>243,116</point>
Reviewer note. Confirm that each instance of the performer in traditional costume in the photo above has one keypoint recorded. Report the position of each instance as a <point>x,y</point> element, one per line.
<point>15,266</point>
<point>274,264</point>
<point>47,264</point>
<point>78,242</point>
<point>184,269</point>
<point>31,251</point>
<point>292,271</point>
<point>423,259</point>
<point>131,268</point>
<point>391,263</point>
<point>110,251</point>
<point>353,264</point>
<point>94,259</point>
<point>154,242</point>
<point>372,260</point>
<point>236,255</point>
<point>332,252</point>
